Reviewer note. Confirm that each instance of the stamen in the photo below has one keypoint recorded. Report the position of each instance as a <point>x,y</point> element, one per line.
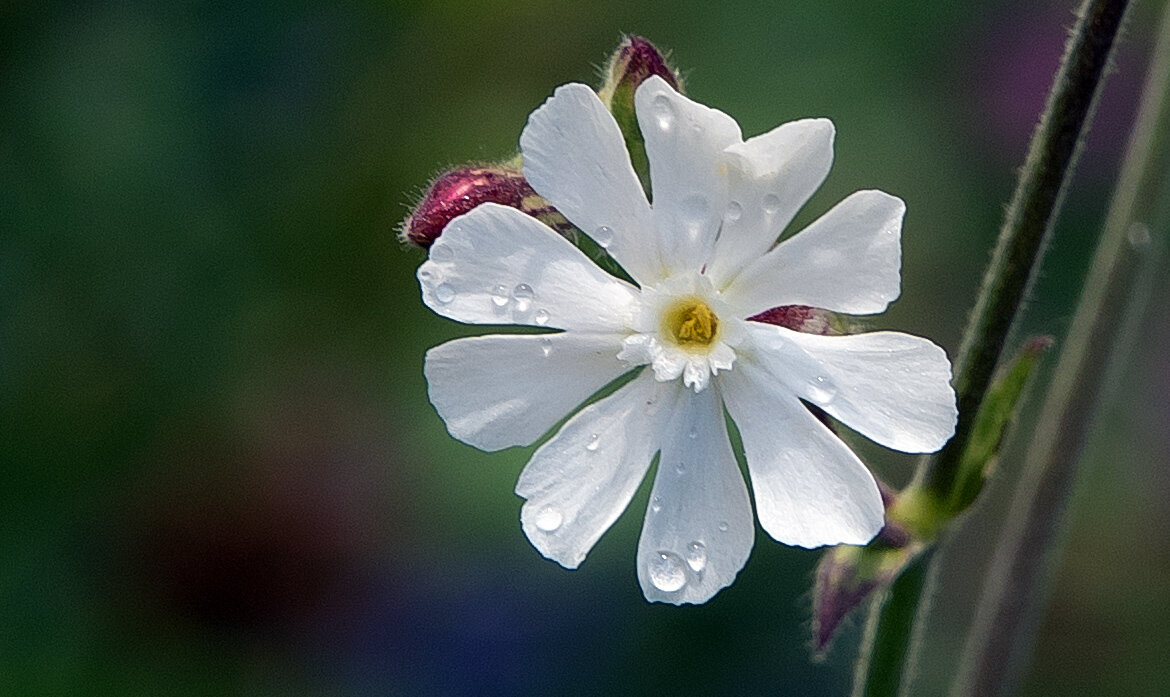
<point>691,323</point>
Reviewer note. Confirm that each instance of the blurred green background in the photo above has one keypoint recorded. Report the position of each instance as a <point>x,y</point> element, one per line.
<point>221,471</point>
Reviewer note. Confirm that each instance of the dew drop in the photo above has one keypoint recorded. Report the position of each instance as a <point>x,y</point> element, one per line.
<point>549,519</point>
<point>821,391</point>
<point>667,572</point>
<point>664,112</point>
<point>693,433</point>
<point>425,275</point>
<point>723,526</point>
<point>523,295</point>
<point>771,204</point>
<point>546,347</point>
<point>444,293</point>
<point>694,207</point>
<point>656,504</point>
<point>734,211</point>
<point>594,441</point>
<point>500,295</point>
<point>696,556</point>
<point>603,236</point>
<point>540,317</point>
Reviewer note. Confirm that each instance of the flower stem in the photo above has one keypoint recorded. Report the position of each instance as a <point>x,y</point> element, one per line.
<point>1017,585</point>
<point>880,671</point>
<point>1052,155</point>
<point>1048,168</point>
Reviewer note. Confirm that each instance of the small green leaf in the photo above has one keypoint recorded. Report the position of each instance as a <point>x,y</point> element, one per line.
<point>995,415</point>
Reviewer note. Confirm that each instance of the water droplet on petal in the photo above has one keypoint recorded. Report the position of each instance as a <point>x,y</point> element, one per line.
<point>696,556</point>
<point>546,347</point>
<point>500,295</point>
<point>603,236</point>
<point>523,295</point>
<point>667,572</point>
<point>694,207</point>
<point>594,441</point>
<point>734,211</point>
<point>693,433</point>
<point>444,293</point>
<point>540,317</point>
<point>723,526</point>
<point>549,519</point>
<point>656,504</point>
<point>771,204</point>
<point>664,112</point>
<point>821,391</point>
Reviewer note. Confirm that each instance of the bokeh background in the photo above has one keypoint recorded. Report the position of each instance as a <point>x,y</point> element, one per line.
<point>221,474</point>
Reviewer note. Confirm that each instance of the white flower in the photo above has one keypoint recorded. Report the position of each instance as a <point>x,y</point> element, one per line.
<point>704,260</point>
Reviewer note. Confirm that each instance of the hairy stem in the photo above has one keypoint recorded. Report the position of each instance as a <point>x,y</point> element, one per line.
<point>1017,586</point>
<point>880,671</point>
<point>1051,157</point>
<point>1047,170</point>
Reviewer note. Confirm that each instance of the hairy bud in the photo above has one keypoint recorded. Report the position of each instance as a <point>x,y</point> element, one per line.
<point>801,318</point>
<point>457,191</point>
<point>635,60</point>
<point>848,576</point>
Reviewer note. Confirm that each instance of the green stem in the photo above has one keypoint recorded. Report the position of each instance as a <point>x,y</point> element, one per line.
<point>1026,228</point>
<point>1043,179</point>
<point>1017,585</point>
<point>880,671</point>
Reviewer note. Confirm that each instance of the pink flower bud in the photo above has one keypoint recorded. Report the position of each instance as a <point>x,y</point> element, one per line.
<point>801,318</point>
<point>635,60</point>
<point>848,576</point>
<point>457,191</point>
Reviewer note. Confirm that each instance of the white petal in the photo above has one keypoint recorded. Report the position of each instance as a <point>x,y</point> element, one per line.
<point>698,530</point>
<point>496,265</point>
<point>579,482</point>
<point>810,489</point>
<point>892,388</point>
<point>772,176</point>
<point>848,260</point>
<point>575,156</point>
<point>684,143</point>
<point>497,391</point>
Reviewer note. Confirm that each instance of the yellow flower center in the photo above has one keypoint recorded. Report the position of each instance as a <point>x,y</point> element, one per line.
<point>691,323</point>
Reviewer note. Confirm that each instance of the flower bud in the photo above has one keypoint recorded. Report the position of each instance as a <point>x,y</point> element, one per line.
<point>802,318</point>
<point>457,191</point>
<point>847,576</point>
<point>635,60</point>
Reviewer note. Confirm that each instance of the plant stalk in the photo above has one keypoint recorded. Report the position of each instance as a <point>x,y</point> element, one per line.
<point>1052,155</point>
<point>1019,582</point>
<point>1023,238</point>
